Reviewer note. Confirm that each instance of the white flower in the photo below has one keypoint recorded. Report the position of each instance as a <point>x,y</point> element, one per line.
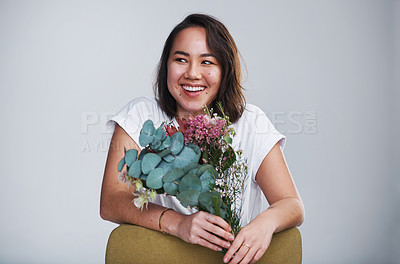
<point>153,195</point>
<point>138,185</point>
<point>121,177</point>
<point>140,201</point>
<point>219,182</point>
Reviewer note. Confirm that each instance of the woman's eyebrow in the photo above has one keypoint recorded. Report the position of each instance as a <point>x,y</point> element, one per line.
<point>188,55</point>
<point>182,53</point>
<point>207,55</point>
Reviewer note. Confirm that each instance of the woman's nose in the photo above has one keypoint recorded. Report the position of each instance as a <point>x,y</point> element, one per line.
<point>193,72</point>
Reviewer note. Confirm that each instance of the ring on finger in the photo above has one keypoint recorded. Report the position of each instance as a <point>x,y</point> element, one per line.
<point>209,216</point>
<point>198,240</point>
<point>246,245</point>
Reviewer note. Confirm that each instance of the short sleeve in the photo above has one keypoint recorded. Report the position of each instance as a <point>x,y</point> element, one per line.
<point>256,135</point>
<point>266,137</point>
<point>132,116</point>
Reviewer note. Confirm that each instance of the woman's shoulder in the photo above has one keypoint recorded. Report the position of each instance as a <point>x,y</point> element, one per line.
<point>141,106</point>
<point>139,110</point>
<point>251,114</point>
<point>254,119</point>
<point>141,102</point>
<point>252,109</point>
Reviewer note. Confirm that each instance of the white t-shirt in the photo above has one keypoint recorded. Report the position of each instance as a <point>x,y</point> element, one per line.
<point>255,135</point>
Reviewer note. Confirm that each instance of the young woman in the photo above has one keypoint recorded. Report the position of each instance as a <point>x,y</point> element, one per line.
<point>200,66</point>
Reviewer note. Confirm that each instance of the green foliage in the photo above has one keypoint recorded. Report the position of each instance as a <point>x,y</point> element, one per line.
<point>190,182</point>
<point>189,198</point>
<point>121,164</point>
<point>147,133</point>
<point>154,180</point>
<point>149,162</point>
<point>130,157</point>
<point>136,169</point>
<point>173,175</point>
<point>206,200</point>
<point>171,188</point>
<point>176,143</point>
<point>167,165</point>
<point>230,158</point>
<point>207,181</point>
<point>187,156</point>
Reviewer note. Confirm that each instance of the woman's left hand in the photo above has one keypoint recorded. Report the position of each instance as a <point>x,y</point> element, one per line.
<point>250,243</point>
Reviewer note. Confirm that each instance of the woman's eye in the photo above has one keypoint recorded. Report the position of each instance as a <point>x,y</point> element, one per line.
<point>180,60</point>
<point>207,62</point>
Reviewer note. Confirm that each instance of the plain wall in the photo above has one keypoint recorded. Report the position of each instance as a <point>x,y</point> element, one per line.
<point>325,72</point>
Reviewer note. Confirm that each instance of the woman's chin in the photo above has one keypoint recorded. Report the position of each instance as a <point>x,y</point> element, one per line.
<point>189,111</point>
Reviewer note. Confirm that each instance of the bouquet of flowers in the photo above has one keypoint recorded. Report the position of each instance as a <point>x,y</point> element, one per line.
<point>195,163</point>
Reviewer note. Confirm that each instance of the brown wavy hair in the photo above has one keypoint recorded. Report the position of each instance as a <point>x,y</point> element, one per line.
<point>222,45</point>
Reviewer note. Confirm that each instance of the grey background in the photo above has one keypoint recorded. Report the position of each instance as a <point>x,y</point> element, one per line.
<point>66,65</point>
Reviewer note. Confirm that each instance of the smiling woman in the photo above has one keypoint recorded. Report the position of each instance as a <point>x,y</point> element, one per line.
<point>200,67</point>
<point>194,74</point>
<point>213,47</point>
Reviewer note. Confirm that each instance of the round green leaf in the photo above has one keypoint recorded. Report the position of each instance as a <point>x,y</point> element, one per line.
<point>173,175</point>
<point>195,148</point>
<point>189,198</point>
<point>130,157</point>
<point>121,164</point>
<point>144,139</point>
<point>165,166</point>
<point>191,167</point>
<point>142,153</point>
<point>171,188</point>
<point>164,153</point>
<point>207,167</point>
<point>186,157</point>
<point>166,143</point>
<point>155,145</point>
<point>159,134</point>
<point>136,169</point>
<point>207,181</point>
<point>176,142</point>
<point>154,180</point>
<point>169,158</point>
<point>149,162</point>
<point>190,182</point>
<point>146,133</point>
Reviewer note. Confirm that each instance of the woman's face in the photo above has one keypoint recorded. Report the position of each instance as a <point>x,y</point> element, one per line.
<point>194,74</point>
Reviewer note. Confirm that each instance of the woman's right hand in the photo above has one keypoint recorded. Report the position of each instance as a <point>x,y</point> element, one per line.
<point>205,229</point>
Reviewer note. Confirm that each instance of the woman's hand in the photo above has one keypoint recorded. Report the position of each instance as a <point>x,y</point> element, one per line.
<point>205,229</point>
<point>251,242</point>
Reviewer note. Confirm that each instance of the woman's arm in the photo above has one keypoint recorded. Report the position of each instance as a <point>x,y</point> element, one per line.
<point>286,210</point>
<point>116,205</point>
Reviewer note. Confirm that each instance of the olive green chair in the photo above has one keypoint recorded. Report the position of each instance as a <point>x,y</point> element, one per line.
<point>134,244</point>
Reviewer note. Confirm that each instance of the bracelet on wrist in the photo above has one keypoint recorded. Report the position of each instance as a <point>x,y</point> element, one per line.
<point>159,220</point>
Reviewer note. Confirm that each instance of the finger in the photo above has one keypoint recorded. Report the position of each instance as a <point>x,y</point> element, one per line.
<point>217,230</point>
<point>203,242</point>
<point>219,221</point>
<point>239,255</point>
<point>214,239</point>
<point>233,248</point>
<point>249,255</point>
<point>257,256</point>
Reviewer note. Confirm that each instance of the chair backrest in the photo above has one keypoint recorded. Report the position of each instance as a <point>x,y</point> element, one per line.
<point>135,244</point>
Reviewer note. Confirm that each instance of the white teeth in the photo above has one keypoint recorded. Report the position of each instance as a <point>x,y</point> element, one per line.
<point>192,89</point>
